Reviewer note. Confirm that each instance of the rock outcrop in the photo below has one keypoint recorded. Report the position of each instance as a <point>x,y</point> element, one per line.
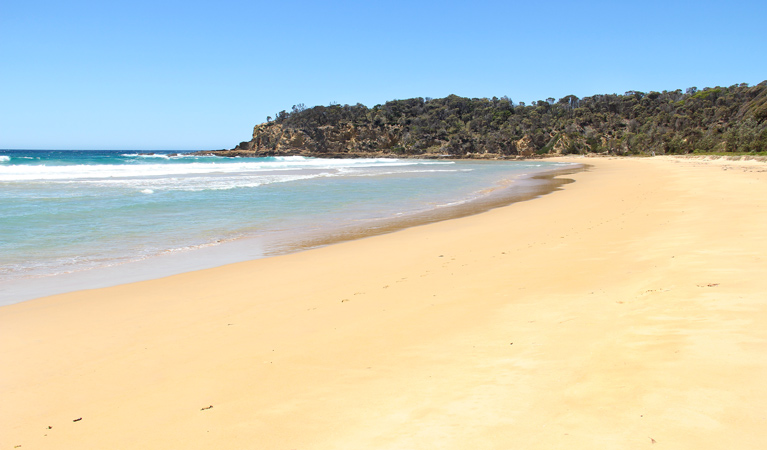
<point>342,141</point>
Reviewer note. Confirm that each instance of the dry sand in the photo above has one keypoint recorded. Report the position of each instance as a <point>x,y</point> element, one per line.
<point>628,310</point>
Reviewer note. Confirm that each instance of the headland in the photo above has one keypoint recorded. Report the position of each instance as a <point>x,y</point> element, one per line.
<point>720,119</point>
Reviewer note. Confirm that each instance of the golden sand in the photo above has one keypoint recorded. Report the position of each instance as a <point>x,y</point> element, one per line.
<point>628,310</point>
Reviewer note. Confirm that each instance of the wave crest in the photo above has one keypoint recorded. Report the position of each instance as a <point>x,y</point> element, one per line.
<point>193,167</point>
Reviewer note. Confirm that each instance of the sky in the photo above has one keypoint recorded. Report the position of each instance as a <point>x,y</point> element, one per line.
<point>198,75</point>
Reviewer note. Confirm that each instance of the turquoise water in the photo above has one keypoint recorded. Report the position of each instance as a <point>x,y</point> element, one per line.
<point>76,211</point>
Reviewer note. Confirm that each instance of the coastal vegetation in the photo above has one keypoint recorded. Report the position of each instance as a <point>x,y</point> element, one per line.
<point>725,120</point>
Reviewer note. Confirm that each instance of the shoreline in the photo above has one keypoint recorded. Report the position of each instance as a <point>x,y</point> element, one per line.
<point>530,187</point>
<point>243,249</point>
<point>622,311</point>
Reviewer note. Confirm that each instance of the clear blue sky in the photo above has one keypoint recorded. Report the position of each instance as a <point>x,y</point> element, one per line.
<point>198,75</point>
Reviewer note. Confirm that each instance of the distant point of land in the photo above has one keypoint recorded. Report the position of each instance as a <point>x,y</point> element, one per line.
<point>723,120</point>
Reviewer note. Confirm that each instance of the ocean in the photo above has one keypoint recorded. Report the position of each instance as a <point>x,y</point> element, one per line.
<point>81,219</point>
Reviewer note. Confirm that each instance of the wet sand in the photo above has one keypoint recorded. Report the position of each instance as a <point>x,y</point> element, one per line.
<point>626,310</point>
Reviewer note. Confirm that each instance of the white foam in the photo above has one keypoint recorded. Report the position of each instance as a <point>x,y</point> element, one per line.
<point>290,158</point>
<point>5,158</point>
<point>449,204</point>
<point>196,183</point>
<point>107,171</point>
<point>166,155</point>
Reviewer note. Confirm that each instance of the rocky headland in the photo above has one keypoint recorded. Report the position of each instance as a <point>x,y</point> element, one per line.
<point>713,120</point>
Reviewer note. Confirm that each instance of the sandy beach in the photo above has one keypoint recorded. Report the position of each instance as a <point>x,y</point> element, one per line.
<point>627,310</point>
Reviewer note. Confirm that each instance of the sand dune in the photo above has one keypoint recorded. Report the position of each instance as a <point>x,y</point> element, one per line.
<point>627,310</point>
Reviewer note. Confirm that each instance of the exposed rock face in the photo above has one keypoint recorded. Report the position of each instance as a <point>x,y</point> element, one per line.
<point>525,146</point>
<point>273,138</point>
<point>342,141</point>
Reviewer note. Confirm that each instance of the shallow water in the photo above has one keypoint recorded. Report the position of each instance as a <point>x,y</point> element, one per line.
<point>83,212</point>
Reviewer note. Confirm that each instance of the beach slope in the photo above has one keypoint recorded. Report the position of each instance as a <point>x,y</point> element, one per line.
<point>627,310</point>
